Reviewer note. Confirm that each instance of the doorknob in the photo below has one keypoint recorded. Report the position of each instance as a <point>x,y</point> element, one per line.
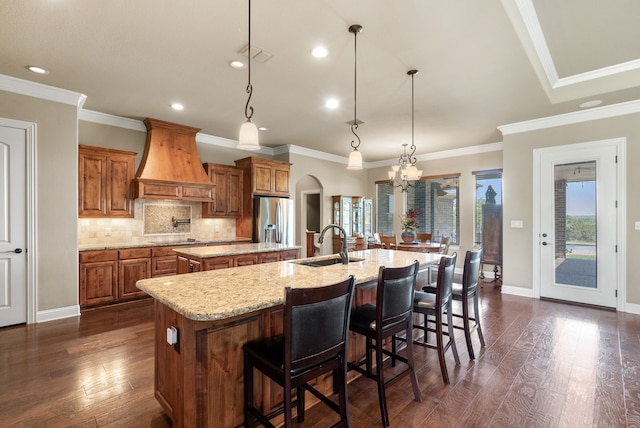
<point>546,243</point>
<point>17,251</point>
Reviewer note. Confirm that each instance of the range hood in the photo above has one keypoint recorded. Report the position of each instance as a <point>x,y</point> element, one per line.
<point>170,166</point>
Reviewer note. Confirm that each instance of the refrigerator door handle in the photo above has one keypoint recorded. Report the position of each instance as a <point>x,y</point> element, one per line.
<point>278,223</point>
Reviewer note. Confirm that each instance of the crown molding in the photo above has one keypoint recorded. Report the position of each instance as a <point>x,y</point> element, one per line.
<point>38,90</point>
<point>111,120</point>
<point>604,112</point>
<point>298,150</point>
<point>464,151</point>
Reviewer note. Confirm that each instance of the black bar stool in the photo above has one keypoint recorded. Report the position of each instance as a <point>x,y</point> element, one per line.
<point>391,314</point>
<point>314,342</point>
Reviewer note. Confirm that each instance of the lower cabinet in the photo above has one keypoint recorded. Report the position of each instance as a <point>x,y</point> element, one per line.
<point>195,264</point>
<point>98,277</point>
<point>133,265</point>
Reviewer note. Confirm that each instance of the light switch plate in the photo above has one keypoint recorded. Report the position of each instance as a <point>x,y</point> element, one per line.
<point>517,224</point>
<point>637,225</point>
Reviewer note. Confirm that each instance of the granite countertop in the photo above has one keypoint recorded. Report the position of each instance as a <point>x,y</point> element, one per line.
<point>224,293</point>
<point>159,243</point>
<point>230,250</point>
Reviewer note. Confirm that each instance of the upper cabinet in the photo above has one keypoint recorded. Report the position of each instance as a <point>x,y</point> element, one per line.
<point>266,177</point>
<point>227,200</point>
<point>104,180</point>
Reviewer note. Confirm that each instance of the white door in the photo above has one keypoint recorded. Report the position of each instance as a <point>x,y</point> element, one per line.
<point>13,258</point>
<point>578,223</point>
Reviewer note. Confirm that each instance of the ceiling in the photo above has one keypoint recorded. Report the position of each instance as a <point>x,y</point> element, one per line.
<point>481,64</point>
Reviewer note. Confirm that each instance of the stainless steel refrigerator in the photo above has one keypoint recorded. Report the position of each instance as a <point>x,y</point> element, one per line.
<point>273,220</point>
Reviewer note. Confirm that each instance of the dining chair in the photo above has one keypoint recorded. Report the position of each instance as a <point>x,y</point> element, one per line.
<point>437,306</point>
<point>467,293</point>
<point>424,237</point>
<point>445,241</point>
<point>314,342</point>
<point>388,241</point>
<point>391,314</point>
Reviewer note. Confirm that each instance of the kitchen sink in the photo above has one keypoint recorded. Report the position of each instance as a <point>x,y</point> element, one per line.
<point>325,262</point>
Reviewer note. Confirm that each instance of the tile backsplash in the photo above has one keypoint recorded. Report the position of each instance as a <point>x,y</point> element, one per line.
<point>153,223</point>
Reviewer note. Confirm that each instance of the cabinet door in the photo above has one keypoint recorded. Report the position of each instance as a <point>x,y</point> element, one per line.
<point>129,272</point>
<point>164,265</point>
<point>281,180</point>
<point>120,172</point>
<point>220,180</point>
<point>262,179</point>
<point>218,263</point>
<point>98,282</point>
<point>246,260</point>
<point>268,258</point>
<point>234,193</point>
<point>91,175</point>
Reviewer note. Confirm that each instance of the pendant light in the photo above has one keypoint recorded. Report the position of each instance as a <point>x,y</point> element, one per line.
<point>355,157</point>
<point>248,139</point>
<point>409,174</point>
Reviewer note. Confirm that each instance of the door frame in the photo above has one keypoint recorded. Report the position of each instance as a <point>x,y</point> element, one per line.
<point>30,129</point>
<point>621,212</point>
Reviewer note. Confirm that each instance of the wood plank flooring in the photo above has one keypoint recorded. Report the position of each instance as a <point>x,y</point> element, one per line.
<point>546,364</point>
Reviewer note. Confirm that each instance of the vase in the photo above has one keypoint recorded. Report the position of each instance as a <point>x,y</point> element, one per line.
<point>408,236</point>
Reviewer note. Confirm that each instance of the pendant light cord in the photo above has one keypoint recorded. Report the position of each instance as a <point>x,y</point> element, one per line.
<point>355,29</point>
<point>248,110</point>
<point>412,158</point>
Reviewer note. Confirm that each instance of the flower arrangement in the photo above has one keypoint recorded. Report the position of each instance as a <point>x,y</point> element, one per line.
<point>409,222</point>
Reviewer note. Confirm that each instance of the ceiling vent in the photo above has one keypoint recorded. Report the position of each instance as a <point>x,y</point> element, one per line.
<point>257,54</point>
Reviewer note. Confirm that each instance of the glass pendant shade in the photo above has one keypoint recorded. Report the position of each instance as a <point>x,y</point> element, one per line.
<point>355,160</point>
<point>391,175</point>
<point>248,136</point>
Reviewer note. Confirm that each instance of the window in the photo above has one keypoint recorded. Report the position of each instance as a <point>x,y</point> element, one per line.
<point>384,208</point>
<point>488,188</point>
<point>436,199</point>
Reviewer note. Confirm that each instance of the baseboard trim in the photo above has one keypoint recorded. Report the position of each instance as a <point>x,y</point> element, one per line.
<point>517,291</point>
<point>58,313</point>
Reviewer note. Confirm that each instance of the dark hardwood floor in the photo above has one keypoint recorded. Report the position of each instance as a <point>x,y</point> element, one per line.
<point>546,364</point>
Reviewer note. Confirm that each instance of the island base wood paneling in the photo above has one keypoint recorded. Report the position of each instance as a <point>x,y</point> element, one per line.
<point>199,381</point>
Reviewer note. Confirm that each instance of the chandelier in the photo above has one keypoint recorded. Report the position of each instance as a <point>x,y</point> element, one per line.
<point>409,174</point>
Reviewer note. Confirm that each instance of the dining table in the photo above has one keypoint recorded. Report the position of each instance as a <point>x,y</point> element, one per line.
<point>420,247</point>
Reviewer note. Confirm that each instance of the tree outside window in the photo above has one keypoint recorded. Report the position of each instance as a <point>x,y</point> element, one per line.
<point>488,190</point>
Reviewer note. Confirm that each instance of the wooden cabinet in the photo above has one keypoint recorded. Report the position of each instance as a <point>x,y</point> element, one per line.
<point>133,264</point>
<point>266,177</point>
<point>492,236</point>
<point>164,261</point>
<point>227,181</point>
<point>188,264</point>
<point>98,277</point>
<point>104,182</point>
<point>261,177</point>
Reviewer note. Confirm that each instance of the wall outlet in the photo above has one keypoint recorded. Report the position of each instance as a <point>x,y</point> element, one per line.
<point>637,225</point>
<point>107,231</point>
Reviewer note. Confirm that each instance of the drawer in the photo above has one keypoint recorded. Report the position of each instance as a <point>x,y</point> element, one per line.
<point>165,251</point>
<point>134,253</point>
<point>98,256</point>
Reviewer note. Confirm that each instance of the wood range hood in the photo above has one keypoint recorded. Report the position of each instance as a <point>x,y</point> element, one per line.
<point>170,167</point>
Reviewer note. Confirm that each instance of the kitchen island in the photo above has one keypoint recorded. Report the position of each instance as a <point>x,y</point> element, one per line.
<point>199,378</point>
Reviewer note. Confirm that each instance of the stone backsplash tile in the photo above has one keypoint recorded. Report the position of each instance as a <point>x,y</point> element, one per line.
<point>155,226</point>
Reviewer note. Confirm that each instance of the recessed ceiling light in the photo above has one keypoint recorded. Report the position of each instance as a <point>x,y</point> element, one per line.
<point>177,106</point>
<point>36,69</point>
<point>236,64</point>
<point>319,52</point>
<point>332,103</point>
<point>262,128</point>
<point>591,103</point>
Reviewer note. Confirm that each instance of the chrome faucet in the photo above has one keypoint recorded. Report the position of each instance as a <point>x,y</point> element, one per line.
<point>344,254</point>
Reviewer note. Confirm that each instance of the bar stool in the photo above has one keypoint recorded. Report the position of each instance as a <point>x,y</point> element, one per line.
<point>436,306</point>
<point>392,314</point>
<point>467,292</point>
<point>314,342</point>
